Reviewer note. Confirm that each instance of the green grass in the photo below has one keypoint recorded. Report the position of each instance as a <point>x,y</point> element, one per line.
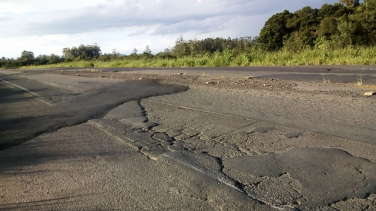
<point>347,56</point>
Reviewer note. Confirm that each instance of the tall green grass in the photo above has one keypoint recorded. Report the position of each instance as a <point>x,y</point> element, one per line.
<point>346,56</point>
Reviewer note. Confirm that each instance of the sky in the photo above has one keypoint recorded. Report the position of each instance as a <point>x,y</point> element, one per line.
<point>48,26</point>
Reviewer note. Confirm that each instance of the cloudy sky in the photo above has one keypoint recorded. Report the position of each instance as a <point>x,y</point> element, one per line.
<point>47,26</point>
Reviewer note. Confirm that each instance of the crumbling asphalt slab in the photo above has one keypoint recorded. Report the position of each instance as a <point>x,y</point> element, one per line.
<point>318,176</point>
<point>306,177</point>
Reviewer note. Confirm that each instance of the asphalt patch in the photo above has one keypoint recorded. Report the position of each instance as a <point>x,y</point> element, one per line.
<point>325,175</point>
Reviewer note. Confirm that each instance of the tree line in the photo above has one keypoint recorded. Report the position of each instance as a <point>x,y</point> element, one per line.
<point>343,24</point>
<point>28,58</point>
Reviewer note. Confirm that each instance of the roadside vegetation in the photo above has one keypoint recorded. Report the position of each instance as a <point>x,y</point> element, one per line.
<point>340,34</point>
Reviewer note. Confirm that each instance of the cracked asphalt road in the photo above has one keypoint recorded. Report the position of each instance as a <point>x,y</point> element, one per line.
<point>92,143</point>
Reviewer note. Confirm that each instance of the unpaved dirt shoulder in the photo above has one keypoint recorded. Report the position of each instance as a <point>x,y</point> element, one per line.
<point>228,80</point>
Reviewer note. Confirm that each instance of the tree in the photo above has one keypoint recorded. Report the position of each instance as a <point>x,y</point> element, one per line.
<point>134,51</point>
<point>41,60</point>
<point>115,53</point>
<point>326,10</point>
<point>275,31</point>
<point>181,47</point>
<point>167,51</point>
<point>327,28</point>
<point>303,19</point>
<point>54,59</point>
<point>27,58</point>
<point>166,54</point>
<point>134,54</point>
<point>305,22</point>
<point>82,52</point>
<point>147,50</point>
<point>365,17</point>
<point>345,35</point>
<point>295,42</point>
<point>28,55</point>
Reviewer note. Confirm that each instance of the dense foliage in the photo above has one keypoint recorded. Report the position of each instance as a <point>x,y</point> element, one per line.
<point>346,27</point>
<point>82,52</point>
<point>210,45</point>
<point>331,27</point>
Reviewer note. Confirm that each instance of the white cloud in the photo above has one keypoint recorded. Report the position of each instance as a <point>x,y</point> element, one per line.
<point>46,26</point>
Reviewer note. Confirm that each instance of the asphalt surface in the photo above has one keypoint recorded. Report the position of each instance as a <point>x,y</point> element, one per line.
<point>70,142</point>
